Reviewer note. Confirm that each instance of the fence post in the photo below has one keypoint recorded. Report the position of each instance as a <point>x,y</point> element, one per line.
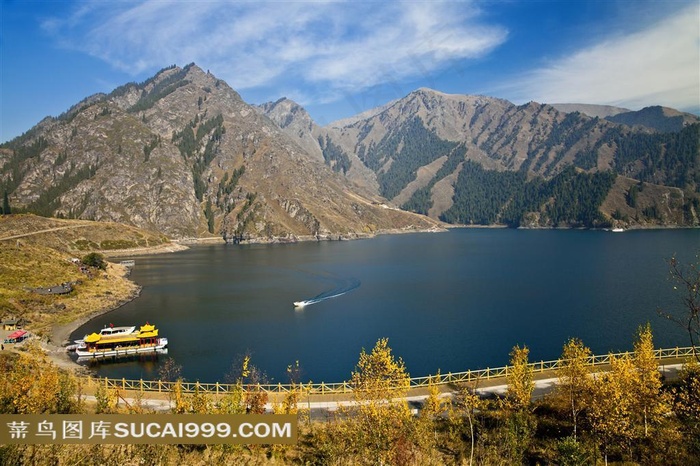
<point>123,384</point>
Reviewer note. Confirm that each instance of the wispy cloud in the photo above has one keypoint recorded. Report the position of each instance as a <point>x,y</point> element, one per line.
<point>659,65</point>
<point>328,48</point>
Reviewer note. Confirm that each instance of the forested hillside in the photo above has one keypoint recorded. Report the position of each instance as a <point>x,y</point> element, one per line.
<point>480,160</point>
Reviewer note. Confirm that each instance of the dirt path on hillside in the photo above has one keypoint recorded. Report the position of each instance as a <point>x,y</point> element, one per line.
<point>44,231</point>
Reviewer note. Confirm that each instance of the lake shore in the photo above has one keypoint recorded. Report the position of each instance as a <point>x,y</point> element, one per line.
<point>290,239</point>
<point>59,336</point>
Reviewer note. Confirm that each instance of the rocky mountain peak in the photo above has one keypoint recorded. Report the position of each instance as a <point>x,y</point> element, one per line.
<point>285,112</point>
<point>182,153</point>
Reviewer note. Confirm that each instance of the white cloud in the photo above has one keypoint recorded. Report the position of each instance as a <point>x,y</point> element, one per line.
<point>656,66</point>
<point>331,47</point>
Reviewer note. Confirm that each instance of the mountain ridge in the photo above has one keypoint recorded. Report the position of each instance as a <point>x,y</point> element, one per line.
<point>183,154</point>
<point>536,139</point>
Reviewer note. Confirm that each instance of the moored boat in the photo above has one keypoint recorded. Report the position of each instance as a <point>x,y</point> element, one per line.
<point>105,332</point>
<point>144,341</point>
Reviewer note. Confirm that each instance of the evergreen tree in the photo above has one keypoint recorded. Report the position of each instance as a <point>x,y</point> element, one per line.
<point>6,204</point>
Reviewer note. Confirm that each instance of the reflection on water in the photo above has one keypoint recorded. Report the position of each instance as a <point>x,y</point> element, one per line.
<point>450,301</point>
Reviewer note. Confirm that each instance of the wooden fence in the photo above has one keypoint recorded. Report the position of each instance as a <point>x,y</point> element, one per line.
<point>347,387</point>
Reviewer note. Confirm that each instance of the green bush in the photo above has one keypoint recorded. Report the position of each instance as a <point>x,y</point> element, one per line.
<point>95,260</point>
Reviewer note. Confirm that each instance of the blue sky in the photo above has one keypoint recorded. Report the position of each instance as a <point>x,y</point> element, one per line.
<point>341,58</point>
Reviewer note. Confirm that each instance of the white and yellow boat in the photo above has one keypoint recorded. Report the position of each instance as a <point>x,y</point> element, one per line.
<point>144,341</point>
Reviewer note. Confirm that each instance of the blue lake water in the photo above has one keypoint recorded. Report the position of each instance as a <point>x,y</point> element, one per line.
<point>450,301</point>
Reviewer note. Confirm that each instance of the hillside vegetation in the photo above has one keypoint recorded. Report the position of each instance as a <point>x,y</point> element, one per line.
<point>481,160</point>
<point>625,415</point>
<point>41,258</point>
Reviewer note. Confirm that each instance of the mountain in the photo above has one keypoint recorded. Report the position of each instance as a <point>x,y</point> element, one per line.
<point>661,119</point>
<point>600,111</point>
<point>483,160</point>
<point>183,154</point>
<point>295,121</point>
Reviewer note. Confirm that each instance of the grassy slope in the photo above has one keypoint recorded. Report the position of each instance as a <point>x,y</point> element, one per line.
<point>43,260</point>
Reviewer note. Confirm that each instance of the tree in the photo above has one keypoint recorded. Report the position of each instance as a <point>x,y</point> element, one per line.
<point>381,421</point>
<point>571,453</point>
<point>6,204</point>
<point>648,401</point>
<point>573,378</point>
<point>379,375</point>
<point>687,403</point>
<point>610,405</point>
<point>96,260</point>
<point>467,403</point>
<point>170,371</point>
<point>521,424</point>
<point>687,282</point>
<point>520,380</point>
<point>31,384</point>
<point>433,408</point>
<point>249,378</point>
<point>289,404</point>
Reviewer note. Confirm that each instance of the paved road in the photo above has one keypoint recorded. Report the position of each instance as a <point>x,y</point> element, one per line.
<point>320,409</point>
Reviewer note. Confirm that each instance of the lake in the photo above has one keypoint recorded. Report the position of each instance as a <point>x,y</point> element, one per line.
<point>450,301</point>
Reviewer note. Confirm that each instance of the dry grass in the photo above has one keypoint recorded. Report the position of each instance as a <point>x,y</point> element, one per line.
<point>77,237</point>
<point>42,260</point>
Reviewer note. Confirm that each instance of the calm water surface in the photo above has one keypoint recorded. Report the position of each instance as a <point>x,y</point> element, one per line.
<point>450,301</point>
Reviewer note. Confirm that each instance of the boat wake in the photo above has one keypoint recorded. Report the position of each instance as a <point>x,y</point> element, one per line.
<point>344,286</point>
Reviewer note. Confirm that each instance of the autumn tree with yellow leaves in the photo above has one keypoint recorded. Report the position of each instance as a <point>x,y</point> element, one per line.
<point>610,406</point>
<point>574,379</point>
<point>381,417</point>
<point>434,406</point>
<point>520,379</point>
<point>30,384</point>
<point>521,423</point>
<point>378,428</point>
<point>650,404</point>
